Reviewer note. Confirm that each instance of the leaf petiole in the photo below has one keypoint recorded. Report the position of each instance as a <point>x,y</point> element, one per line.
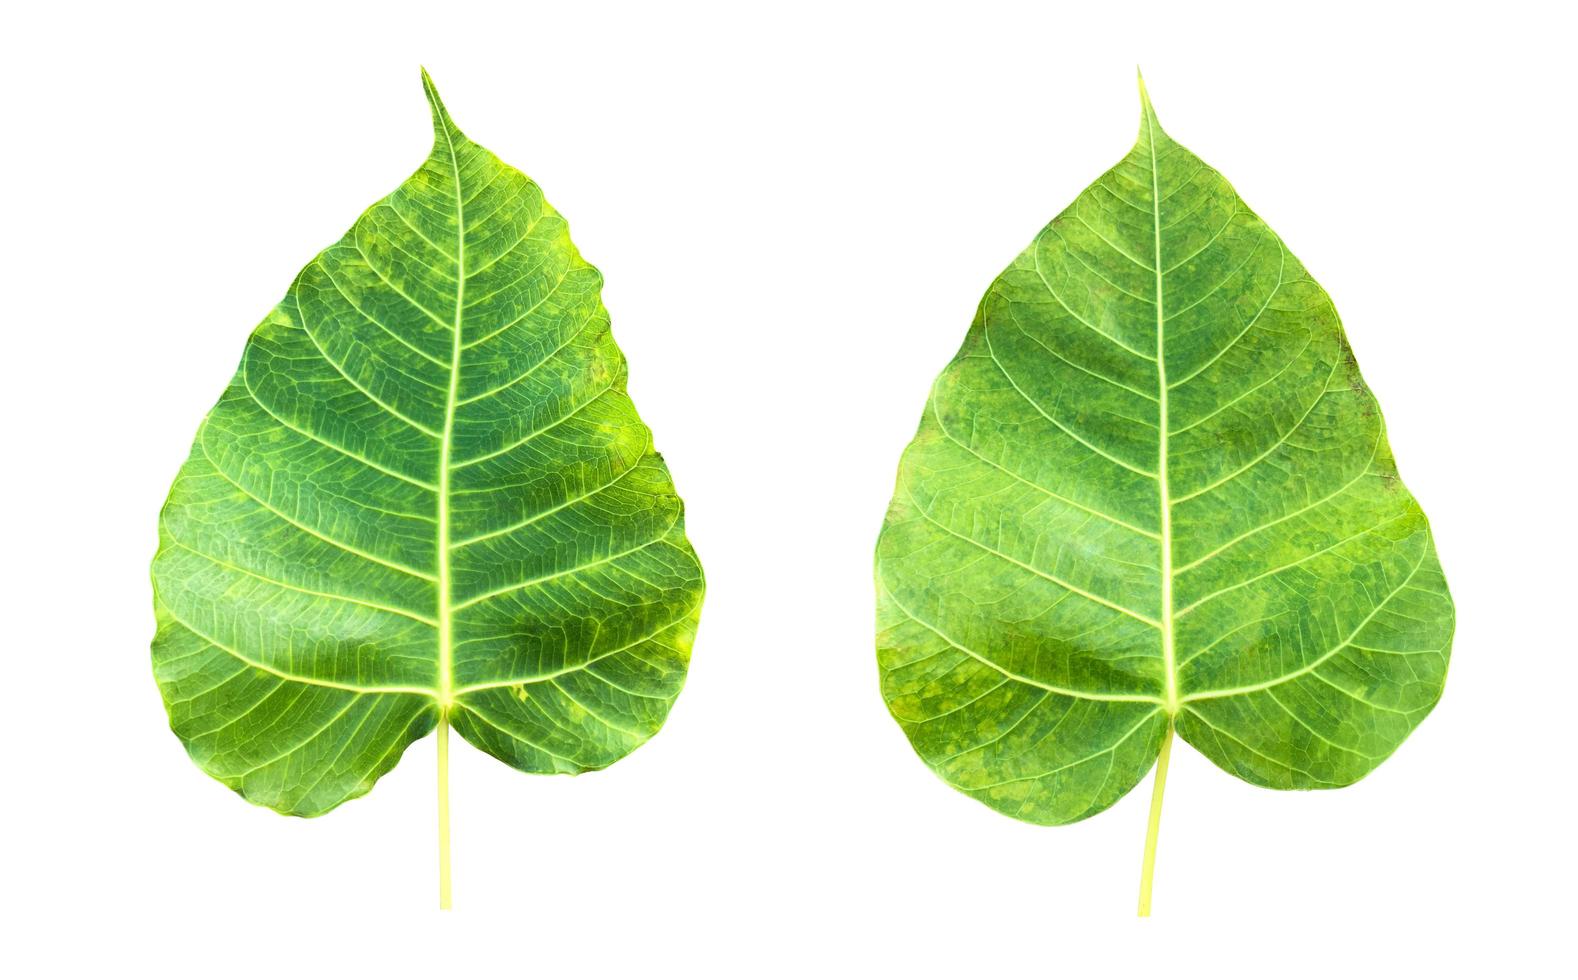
<point>1148,866</point>
<point>443,810</point>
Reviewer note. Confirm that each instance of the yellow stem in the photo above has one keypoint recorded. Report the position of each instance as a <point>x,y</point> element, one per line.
<point>1148,868</point>
<point>443,811</point>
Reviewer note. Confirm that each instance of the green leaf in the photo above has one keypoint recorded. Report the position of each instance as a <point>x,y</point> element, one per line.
<point>1152,492</point>
<point>425,498</point>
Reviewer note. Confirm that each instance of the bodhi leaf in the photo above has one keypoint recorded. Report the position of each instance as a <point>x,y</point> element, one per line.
<point>1152,492</point>
<point>424,500</point>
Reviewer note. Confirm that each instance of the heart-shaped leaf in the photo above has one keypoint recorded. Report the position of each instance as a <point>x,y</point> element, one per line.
<point>424,500</point>
<point>1152,492</point>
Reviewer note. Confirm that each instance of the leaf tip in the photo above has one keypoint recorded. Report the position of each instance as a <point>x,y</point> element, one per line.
<point>1147,111</point>
<point>442,123</point>
<point>1145,95</point>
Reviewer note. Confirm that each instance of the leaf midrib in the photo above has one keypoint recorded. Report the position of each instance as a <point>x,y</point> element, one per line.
<point>1169,667</point>
<point>446,695</point>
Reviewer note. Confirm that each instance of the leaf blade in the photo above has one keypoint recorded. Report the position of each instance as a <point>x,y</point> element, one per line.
<point>1156,414</point>
<point>433,417</point>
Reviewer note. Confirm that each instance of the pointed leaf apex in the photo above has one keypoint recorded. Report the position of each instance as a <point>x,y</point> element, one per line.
<point>1145,96</point>
<point>443,125</point>
<point>1149,124</point>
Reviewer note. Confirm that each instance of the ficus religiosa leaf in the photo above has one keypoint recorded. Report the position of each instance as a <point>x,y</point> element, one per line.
<point>1152,493</point>
<point>424,501</point>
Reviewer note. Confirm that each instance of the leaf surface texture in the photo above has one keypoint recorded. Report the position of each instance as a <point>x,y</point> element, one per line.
<point>1152,487</point>
<point>425,490</point>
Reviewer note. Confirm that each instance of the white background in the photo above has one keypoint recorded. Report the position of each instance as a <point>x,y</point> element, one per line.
<point>796,208</point>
